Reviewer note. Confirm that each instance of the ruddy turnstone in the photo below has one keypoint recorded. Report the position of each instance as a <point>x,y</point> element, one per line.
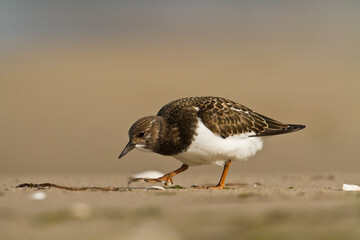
<point>204,130</point>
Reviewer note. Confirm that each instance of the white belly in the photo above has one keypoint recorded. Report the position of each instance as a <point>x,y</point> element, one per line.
<point>207,148</point>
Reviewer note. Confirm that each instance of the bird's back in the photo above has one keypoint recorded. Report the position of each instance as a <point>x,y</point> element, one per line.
<point>225,118</point>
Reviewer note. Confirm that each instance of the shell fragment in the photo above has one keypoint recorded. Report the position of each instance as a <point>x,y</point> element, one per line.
<point>349,187</point>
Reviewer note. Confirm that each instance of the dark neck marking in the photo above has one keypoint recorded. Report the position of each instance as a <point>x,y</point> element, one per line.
<point>177,131</point>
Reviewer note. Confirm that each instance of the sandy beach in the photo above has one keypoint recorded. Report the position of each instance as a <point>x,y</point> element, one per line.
<point>301,206</point>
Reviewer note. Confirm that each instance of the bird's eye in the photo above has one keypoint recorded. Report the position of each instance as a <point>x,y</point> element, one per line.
<point>141,134</point>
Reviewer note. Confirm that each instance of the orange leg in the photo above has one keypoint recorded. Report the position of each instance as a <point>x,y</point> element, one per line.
<point>167,178</point>
<point>221,183</point>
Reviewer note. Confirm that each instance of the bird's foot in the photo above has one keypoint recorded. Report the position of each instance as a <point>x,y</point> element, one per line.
<point>167,179</point>
<point>209,187</point>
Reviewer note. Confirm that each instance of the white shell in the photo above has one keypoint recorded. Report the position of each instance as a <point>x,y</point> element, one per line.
<point>147,174</point>
<point>144,175</point>
<point>38,196</point>
<point>349,187</point>
<point>155,188</point>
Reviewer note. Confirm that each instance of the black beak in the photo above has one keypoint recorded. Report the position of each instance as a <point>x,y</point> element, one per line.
<point>130,146</point>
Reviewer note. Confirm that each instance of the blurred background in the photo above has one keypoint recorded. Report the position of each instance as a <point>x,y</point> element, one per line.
<point>75,75</point>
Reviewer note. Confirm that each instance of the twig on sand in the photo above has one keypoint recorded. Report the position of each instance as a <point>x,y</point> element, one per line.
<point>52,185</point>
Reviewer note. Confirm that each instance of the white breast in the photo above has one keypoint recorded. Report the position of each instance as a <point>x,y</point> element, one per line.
<point>208,148</point>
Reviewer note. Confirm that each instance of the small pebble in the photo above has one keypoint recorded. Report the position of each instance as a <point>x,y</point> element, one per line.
<point>38,196</point>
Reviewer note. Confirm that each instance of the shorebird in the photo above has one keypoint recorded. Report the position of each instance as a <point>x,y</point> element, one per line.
<point>203,130</point>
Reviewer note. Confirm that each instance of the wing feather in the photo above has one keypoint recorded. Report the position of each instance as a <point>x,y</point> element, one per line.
<point>227,118</point>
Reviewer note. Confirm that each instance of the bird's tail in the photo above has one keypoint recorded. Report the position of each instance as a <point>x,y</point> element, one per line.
<point>276,127</point>
<point>295,127</point>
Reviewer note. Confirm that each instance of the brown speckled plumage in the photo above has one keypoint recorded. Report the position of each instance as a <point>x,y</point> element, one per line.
<point>224,117</point>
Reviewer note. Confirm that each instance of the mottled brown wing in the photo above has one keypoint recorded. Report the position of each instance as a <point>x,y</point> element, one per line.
<point>226,118</point>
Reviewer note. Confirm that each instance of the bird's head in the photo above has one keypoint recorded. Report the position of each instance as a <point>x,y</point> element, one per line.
<point>143,134</point>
